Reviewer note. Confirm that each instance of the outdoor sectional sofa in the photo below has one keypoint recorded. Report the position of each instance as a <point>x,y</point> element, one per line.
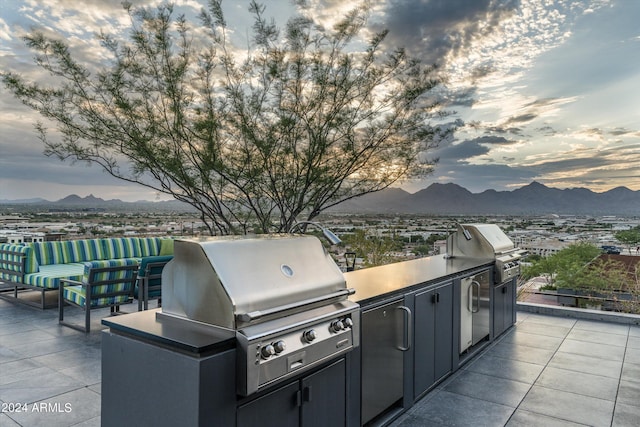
<point>40,265</point>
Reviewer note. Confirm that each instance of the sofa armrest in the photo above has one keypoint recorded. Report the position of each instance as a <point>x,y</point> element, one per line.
<point>70,282</point>
<point>13,262</point>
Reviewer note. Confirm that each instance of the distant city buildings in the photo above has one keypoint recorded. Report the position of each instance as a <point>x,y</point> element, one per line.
<point>544,235</point>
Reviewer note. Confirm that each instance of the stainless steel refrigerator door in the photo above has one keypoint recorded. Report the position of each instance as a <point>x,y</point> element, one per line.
<point>475,317</point>
<point>466,313</point>
<point>385,335</point>
<point>482,313</point>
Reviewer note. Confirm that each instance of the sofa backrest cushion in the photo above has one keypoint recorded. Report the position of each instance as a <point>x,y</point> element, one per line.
<point>84,250</point>
<point>47,253</point>
<point>116,284</point>
<point>77,251</point>
<point>119,280</point>
<point>149,246</point>
<point>117,248</point>
<point>67,251</point>
<point>110,275</point>
<point>166,247</point>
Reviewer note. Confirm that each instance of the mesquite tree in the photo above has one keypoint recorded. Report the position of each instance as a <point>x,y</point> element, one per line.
<point>300,121</point>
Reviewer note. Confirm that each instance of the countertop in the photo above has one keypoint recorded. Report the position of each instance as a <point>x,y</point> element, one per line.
<point>178,334</point>
<point>387,279</point>
<point>369,284</point>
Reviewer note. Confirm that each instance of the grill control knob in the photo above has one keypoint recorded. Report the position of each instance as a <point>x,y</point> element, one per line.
<point>337,326</point>
<point>279,346</point>
<point>267,351</point>
<point>348,322</point>
<point>310,335</point>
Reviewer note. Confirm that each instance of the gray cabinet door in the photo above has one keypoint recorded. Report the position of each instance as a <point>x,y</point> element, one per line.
<point>444,332</point>
<point>324,397</point>
<point>433,358</point>
<point>383,337</point>
<point>317,400</point>
<point>278,408</point>
<point>504,307</point>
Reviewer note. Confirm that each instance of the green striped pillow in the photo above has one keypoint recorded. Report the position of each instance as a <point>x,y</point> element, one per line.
<point>48,252</point>
<point>117,248</point>
<point>84,250</point>
<point>149,246</point>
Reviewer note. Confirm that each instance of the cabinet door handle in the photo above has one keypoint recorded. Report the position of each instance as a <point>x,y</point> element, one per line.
<point>299,398</point>
<point>406,339</point>
<point>306,394</point>
<point>435,298</point>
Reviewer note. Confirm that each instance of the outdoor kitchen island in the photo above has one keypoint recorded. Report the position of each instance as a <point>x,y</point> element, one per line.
<point>398,335</point>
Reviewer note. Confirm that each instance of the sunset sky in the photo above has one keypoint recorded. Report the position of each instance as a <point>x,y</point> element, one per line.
<point>549,91</point>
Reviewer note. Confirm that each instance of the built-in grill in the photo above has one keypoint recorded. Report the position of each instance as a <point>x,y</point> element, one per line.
<point>283,295</point>
<point>487,241</point>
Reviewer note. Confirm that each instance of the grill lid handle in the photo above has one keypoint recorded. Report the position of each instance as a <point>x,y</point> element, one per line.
<point>254,315</point>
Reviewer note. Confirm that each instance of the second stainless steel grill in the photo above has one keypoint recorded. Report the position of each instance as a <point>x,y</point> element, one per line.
<point>487,241</point>
<point>282,294</point>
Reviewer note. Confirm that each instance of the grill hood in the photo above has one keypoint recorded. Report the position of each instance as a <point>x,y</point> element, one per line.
<point>487,242</point>
<point>235,281</point>
<point>478,241</point>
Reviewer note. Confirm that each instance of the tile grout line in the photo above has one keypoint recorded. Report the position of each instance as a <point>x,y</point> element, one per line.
<point>624,356</point>
<point>541,372</point>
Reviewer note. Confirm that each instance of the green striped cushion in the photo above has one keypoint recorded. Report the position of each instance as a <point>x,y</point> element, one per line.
<point>84,250</point>
<point>24,251</point>
<point>108,275</point>
<point>77,294</point>
<point>49,275</point>
<point>156,270</point>
<point>63,270</point>
<point>47,253</point>
<point>32,265</point>
<point>10,278</point>
<point>117,248</point>
<point>149,246</point>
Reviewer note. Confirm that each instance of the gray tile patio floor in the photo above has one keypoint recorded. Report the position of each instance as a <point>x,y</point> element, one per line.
<point>546,371</point>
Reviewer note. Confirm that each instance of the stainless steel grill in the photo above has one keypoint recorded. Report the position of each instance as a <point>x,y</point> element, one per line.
<point>486,241</point>
<point>282,294</point>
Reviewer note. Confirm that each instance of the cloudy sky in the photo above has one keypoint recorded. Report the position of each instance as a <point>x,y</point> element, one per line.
<point>548,90</point>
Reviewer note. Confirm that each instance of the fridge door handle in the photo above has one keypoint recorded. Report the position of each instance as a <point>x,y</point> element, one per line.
<point>406,338</point>
<point>476,284</point>
<point>470,298</point>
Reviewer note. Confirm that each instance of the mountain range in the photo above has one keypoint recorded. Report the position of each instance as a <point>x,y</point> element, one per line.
<point>436,199</point>
<point>532,199</point>
<point>91,202</point>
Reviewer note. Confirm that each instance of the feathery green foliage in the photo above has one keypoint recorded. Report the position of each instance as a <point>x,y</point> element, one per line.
<point>296,124</point>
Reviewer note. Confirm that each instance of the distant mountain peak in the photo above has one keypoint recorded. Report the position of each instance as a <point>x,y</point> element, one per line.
<point>533,185</point>
<point>74,198</point>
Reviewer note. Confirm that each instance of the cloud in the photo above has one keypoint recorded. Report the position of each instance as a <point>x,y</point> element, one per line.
<point>438,29</point>
<point>469,151</point>
<point>552,128</point>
